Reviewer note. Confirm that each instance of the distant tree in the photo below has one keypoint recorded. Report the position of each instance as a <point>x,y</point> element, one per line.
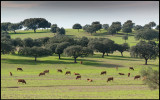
<point>112,30</point>
<point>152,77</point>
<point>61,31</point>
<point>54,28</point>
<point>144,50</point>
<point>14,26</point>
<point>60,47</point>
<point>105,26</point>
<point>97,26</point>
<point>85,27</point>
<point>51,47</point>
<point>157,27</point>
<point>147,34</point>
<point>34,23</point>
<point>137,27</point>
<point>77,26</point>
<point>83,41</point>
<point>125,37</point>
<point>127,26</point>
<point>4,26</point>
<point>152,24</point>
<point>76,51</point>
<point>18,42</point>
<point>123,47</point>
<point>147,26</point>
<point>35,52</point>
<point>28,42</point>
<point>90,29</point>
<point>117,26</point>
<point>109,45</point>
<point>7,45</point>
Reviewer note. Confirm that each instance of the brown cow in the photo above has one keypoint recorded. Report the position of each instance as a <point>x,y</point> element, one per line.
<point>68,72</point>
<point>21,80</point>
<point>42,73</point>
<point>103,72</point>
<point>137,76</point>
<point>10,74</point>
<point>19,69</point>
<point>128,74</point>
<point>110,78</point>
<point>90,80</point>
<point>131,68</point>
<point>121,73</point>
<point>78,77</point>
<point>46,71</point>
<point>59,70</point>
<point>81,62</point>
<point>76,73</point>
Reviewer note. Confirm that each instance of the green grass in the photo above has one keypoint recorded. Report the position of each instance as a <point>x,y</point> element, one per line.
<point>57,85</point>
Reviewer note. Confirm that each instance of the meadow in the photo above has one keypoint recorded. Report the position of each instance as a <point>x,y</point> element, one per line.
<point>60,86</point>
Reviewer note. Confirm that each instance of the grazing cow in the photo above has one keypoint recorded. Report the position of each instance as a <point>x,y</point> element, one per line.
<point>116,68</point>
<point>81,62</point>
<point>121,73</point>
<point>78,77</point>
<point>110,78</point>
<point>103,72</point>
<point>90,80</point>
<point>10,74</point>
<point>59,70</point>
<point>42,73</point>
<point>137,76</point>
<point>131,68</point>
<point>19,69</point>
<point>144,78</point>
<point>76,73</point>
<point>21,80</point>
<point>128,74</point>
<point>68,72</point>
<point>46,71</point>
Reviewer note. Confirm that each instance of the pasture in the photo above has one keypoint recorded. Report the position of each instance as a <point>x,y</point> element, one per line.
<point>56,85</point>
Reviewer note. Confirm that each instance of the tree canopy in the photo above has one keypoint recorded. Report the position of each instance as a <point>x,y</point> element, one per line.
<point>77,26</point>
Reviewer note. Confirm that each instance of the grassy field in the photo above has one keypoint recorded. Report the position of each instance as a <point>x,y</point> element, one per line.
<point>59,86</point>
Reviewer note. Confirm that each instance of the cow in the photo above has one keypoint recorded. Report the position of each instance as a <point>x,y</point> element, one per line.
<point>116,68</point>
<point>128,74</point>
<point>46,71</point>
<point>21,80</point>
<point>59,70</point>
<point>121,73</point>
<point>81,62</point>
<point>103,72</point>
<point>19,69</point>
<point>78,77</point>
<point>76,73</point>
<point>68,72</point>
<point>42,73</point>
<point>90,80</point>
<point>110,78</point>
<point>137,76</point>
<point>131,68</point>
<point>10,74</point>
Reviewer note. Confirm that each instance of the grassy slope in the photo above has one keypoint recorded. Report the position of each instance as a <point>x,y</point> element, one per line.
<point>57,85</point>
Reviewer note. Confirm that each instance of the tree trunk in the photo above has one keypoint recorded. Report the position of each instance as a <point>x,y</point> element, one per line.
<point>75,60</point>
<point>14,31</point>
<point>122,54</point>
<point>35,59</point>
<point>146,61</point>
<point>34,30</point>
<point>103,55</point>
<point>107,54</point>
<point>59,56</point>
